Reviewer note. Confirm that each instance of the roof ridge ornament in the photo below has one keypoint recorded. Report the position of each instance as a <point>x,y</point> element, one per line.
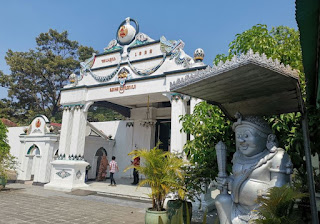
<point>127,33</point>
<point>174,49</point>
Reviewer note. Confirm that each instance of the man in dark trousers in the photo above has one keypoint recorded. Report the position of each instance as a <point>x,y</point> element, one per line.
<point>136,163</point>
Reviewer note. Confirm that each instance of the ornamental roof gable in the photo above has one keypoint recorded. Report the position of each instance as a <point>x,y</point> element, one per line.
<point>134,55</point>
<point>40,125</point>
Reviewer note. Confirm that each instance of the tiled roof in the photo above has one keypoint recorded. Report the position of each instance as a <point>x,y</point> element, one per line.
<point>8,123</point>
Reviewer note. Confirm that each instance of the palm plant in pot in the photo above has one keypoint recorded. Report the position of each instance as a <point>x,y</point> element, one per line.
<point>7,161</point>
<point>160,170</point>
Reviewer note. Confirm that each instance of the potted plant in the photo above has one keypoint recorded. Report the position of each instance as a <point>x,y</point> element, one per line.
<point>161,170</point>
<point>187,189</point>
<point>7,161</point>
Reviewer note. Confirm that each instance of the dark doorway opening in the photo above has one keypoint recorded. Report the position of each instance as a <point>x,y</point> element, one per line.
<point>100,152</point>
<point>163,133</point>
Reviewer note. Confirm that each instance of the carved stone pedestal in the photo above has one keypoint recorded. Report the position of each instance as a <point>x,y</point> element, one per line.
<point>67,175</point>
<point>207,202</point>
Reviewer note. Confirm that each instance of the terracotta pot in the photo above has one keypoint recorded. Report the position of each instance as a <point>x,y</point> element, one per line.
<point>152,217</point>
<point>178,213</point>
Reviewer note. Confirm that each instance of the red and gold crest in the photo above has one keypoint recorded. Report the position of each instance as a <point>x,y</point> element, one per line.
<point>123,73</point>
<point>123,31</point>
<point>38,123</point>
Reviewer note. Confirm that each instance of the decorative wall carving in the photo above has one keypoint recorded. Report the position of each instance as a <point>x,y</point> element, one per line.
<point>70,157</point>
<point>78,174</point>
<point>63,174</point>
<point>129,124</point>
<point>73,106</point>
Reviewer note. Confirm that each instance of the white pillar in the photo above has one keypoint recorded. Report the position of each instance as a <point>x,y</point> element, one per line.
<point>27,167</point>
<point>67,175</point>
<point>66,131</point>
<point>37,168</point>
<point>178,108</point>
<point>22,160</point>
<point>78,131</point>
<point>79,124</point>
<point>193,103</point>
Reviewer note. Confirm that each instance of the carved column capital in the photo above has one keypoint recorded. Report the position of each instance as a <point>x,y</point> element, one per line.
<point>176,96</point>
<point>67,107</point>
<point>78,106</point>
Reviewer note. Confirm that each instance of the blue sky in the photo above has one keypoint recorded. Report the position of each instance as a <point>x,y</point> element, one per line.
<point>210,25</point>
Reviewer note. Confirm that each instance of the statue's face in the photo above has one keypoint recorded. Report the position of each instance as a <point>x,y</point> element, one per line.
<point>248,142</point>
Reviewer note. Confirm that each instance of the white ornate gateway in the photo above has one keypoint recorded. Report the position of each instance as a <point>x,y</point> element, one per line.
<point>132,76</point>
<point>39,142</point>
<point>36,146</point>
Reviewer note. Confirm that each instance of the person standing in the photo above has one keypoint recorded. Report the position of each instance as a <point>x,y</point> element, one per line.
<point>136,163</point>
<point>113,168</point>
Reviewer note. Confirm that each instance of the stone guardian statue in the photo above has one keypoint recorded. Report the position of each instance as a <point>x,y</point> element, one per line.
<point>258,164</point>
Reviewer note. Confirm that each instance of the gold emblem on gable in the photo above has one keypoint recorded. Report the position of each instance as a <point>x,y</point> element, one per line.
<point>123,73</point>
<point>123,31</point>
<point>38,123</point>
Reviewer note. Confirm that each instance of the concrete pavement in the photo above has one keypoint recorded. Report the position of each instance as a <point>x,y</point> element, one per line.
<point>123,189</point>
<point>98,203</point>
<point>21,203</point>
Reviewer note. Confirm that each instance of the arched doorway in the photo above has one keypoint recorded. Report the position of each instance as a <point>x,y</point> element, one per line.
<point>100,152</point>
<point>33,161</point>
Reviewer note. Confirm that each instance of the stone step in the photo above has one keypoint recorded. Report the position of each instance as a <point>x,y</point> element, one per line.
<point>28,182</point>
<point>122,196</point>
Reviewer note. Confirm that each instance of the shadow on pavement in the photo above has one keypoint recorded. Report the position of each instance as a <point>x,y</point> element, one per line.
<point>80,192</point>
<point>11,189</point>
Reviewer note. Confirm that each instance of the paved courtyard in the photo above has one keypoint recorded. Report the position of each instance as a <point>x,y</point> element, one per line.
<point>25,203</point>
<point>32,204</point>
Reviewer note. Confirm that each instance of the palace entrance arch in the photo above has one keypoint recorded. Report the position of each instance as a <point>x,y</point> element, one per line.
<point>38,145</point>
<point>33,157</point>
<point>132,76</point>
<point>97,159</point>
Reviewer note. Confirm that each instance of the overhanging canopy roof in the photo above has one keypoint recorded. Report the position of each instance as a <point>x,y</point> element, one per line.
<point>251,84</point>
<point>308,19</point>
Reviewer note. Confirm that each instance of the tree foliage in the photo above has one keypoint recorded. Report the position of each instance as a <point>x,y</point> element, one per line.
<point>99,113</point>
<point>38,75</point>
<point>280,43</point>
<point>208,125</point>
<point>7,161</point>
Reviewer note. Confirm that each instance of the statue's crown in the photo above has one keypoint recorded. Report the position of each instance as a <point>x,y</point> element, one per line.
<point>253,121</point>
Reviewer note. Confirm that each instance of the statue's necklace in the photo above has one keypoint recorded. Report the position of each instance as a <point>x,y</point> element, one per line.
<point>242,159</point>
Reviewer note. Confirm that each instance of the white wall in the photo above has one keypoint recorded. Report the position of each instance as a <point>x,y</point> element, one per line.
<point>127,138</point>
<point>13,139</point>
<point>123,143</point>
<point>92,145</point>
